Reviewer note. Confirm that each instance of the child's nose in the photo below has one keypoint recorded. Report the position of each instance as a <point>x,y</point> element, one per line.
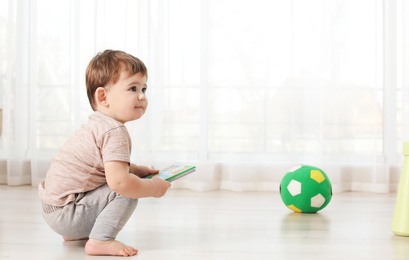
<point>142,96</point>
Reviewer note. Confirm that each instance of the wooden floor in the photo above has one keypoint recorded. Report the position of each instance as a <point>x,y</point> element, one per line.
<point>218,225</point>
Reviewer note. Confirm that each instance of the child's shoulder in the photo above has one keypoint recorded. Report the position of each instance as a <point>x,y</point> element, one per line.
<point>100,125</point>
<point>101,121</point>
<point>97,128</point>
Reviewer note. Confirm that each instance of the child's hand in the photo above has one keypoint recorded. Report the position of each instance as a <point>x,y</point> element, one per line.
<point>142,171</point>
<point>161,185</point>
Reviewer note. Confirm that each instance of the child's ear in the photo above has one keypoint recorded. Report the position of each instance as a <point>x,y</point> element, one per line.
<point>101,96</point>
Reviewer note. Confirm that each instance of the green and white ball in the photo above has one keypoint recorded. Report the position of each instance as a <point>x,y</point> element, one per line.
<point>306,189</point>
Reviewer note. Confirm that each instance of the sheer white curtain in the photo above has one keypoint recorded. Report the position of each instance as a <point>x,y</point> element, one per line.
<point>242,89</point>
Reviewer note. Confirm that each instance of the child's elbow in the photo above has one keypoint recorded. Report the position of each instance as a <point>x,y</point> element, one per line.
<point>117,186</point>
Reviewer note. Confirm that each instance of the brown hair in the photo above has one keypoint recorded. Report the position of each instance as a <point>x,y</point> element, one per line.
<point>106,67</point>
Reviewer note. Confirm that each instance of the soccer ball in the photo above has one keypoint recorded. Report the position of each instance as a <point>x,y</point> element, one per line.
<point>305,189</point>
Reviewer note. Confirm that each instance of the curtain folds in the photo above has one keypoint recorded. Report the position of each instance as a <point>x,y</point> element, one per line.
<point>244,90</point>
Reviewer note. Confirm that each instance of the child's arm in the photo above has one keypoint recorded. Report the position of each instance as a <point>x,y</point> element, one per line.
<point>129,185</point>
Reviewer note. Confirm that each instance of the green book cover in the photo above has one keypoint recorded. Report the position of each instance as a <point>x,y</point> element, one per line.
<point>174,172</point>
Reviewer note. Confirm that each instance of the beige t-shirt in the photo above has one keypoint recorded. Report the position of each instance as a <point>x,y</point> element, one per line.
<point>79,165</point>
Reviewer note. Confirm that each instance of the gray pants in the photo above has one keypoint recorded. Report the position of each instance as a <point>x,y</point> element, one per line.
<point>99,214</point>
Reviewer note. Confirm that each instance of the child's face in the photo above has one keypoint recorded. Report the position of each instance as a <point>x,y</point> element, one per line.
<point>126,98</point>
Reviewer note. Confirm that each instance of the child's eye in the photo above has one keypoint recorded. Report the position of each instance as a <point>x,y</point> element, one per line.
<point>144,90</point>
<point>133,89</point>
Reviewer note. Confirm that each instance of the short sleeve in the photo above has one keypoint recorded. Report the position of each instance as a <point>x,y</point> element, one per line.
<point>116,145</point>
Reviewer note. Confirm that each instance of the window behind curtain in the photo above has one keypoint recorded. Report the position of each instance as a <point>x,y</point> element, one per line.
<point>229,81</point>
<point>283,80</point>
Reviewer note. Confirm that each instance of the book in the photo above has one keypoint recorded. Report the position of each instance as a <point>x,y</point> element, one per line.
<point>174,172</point>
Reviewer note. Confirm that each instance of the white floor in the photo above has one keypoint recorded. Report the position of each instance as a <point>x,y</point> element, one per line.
<point>218,225</point>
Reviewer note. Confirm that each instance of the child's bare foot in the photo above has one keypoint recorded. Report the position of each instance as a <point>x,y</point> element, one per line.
<point>111,247</point>
<point>74,239</point>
